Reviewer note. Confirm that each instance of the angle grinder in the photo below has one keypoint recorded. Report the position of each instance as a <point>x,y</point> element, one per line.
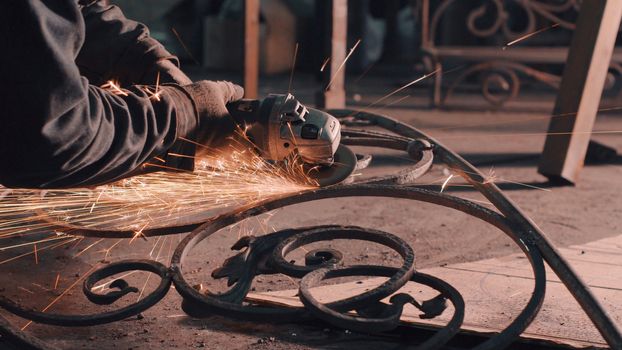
<point>281,127</point>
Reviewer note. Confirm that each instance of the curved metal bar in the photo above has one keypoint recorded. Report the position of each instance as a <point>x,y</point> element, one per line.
<point>423,157</point>
<point>105,317</point>
<point>479,12</point>
<point>19,339</point>
<point>508,68</point>
<point>267,314</point>
<point>533,10</point>
<point>390,317</point>
<point>395,282</point>
<point>147,232</point>
<point>507,207</point>
<point>252,261</point>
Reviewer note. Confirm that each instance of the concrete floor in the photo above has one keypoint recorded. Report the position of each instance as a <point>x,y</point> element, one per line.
<point>507,141</point>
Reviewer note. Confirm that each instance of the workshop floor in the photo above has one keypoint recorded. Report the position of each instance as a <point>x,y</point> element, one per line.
<point>569,215</point>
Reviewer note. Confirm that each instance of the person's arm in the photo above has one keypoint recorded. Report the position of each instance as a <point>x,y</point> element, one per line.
<point>117,48</point>
<point>57,131</point>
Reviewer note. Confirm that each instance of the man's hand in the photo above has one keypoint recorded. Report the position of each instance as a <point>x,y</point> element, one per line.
<point>211,98</point>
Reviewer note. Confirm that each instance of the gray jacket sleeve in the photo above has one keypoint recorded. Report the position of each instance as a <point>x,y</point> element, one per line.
<point>121,49</point>
<point>58,131</point>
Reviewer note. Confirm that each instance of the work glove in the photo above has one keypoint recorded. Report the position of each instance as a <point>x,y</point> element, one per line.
<point>210,98</point>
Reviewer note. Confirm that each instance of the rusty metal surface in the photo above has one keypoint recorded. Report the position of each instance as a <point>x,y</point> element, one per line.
<point>365,312</point>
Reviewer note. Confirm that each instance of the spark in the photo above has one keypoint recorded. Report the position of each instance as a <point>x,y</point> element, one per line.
<point>170,250</point>
<point>36,254</point>
<point>30,253</point>
<point>183,45</point>
<point>40,286</point>
<point>446,182</point>
<point>526,185</point>
<point>166,167</point>
<point>343,64</point>
<point>529,35</point>
<point>396,101</point>
<point>517,120</point>
<point>154,247</point>
<point>403,87</point>
<point>113,87</point>
<point>155,94</point>
<point>181,155</point>
<point>606,109</point>
<point>324,64</point>
<point>33,243</point>
<point>225,181</point>
<point>291,75</point>
<point>88,247</point>
<point>157,85</point>
<point>78,241</point>
<point>156,259</point>
<point>57,281</point>
<point>491,177</point>
<point>364,73</point>
<point>139,233</point>
<point>292,134</point>
<point>62,294</point>
<point>25,290</point>
<point>95,203</point>
<point>105,285</point>
<point>107,251</point>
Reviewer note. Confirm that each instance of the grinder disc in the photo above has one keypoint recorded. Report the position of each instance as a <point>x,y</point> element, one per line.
<point>343,166</point>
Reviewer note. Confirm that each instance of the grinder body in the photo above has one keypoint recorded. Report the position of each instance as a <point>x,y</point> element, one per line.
<point>280,126</point>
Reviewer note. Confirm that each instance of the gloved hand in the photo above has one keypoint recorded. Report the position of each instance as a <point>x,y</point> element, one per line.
<point>211,98</point>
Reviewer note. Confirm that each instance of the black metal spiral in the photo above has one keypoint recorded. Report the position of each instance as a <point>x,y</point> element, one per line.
<point>103,299</point>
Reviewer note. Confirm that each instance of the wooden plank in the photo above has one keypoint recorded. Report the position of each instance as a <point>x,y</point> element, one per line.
<point>495,291</point>
<point>333,15</point>
<point>500,299</point>
<point>251,48</point>
<point>580,90</point>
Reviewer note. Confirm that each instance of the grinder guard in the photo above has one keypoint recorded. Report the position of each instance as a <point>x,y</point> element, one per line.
<point>280,126</point>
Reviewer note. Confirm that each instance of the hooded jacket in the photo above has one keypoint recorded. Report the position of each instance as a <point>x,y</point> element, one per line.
<point>58,126</point>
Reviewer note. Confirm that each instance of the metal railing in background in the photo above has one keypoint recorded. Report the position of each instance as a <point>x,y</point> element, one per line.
<point>484,37</point>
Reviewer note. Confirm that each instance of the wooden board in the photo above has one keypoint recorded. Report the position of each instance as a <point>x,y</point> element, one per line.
<point>580,90</point>
<point>333,16</point>
<point>495,290</point>
<point>251,48</point>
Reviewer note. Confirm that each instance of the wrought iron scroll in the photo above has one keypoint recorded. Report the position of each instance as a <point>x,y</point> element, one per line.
<point>267,255</point>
